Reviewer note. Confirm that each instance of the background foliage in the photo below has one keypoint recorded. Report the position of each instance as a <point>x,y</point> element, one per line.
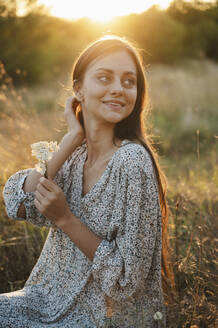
<point>42,47</point>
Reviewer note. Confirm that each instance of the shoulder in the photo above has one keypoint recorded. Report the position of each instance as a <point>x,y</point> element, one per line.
<point>75,156</point>
<point>133,156</point>
<point>69,165</point>
<point>132,151</point>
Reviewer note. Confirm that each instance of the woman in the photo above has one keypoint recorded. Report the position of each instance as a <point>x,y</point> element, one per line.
<point>104,203</point>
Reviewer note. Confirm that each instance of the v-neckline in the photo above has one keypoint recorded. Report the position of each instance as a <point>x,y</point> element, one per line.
<point>98,182</point>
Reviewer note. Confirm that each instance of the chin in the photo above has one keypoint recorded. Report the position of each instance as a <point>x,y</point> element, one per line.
<point>115,118</point>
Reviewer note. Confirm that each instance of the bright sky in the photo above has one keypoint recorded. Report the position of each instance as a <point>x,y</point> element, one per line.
<point>101,10</point>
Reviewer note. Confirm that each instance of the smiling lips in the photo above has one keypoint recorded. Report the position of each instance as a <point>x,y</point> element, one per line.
<point>114,103</point>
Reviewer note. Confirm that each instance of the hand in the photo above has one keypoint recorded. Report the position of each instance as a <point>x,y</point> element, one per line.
<point>51,202</point>
<point>69,113</point>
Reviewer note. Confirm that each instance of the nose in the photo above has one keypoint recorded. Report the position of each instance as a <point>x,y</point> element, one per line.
<point>116,87</point>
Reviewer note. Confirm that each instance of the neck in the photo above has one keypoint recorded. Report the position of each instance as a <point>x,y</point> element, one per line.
<point>99,140</point>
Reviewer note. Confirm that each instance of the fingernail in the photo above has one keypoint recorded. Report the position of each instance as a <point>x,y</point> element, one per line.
<point>42,179</point>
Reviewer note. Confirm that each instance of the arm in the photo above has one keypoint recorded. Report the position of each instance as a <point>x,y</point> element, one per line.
<point>82,236</point>
<point>68,144</point>
<point>122,265</point>
<point>51,202</point>
<point>19,191</point>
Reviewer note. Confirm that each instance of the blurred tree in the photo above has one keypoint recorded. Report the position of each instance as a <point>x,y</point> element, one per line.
<point>8,8</point>
<point>41,47</point>
<point>200,20</point>
<point>11,8</point>
<point>155,31</point>
<point>163,35</point>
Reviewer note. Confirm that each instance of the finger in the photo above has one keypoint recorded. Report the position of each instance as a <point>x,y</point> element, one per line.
<point>38,205</point>
<point>71,104</point>
<point>39,197</point>
<point>42,202</point>
<point>75,103</point>
<point>48,184</point>
<point>42,190</point>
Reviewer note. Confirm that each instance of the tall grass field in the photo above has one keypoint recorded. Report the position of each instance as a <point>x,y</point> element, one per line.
<point>184,123</point>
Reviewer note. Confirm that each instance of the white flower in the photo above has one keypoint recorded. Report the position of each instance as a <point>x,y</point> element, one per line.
<point>43,151</point>
<point>53,146</point>
<point>41,167</point>
<point>158,316</point>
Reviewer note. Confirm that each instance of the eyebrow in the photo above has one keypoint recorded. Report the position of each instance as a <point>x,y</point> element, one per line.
<point>111,71</point>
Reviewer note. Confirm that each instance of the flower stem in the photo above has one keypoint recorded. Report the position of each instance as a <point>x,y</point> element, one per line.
<point>46,170</point>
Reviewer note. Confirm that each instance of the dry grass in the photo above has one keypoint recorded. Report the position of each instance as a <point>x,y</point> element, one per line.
<point>184,102</point>
<point>190,87</point>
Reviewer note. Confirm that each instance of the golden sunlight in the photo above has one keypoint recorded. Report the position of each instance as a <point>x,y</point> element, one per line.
<point>99,10</point>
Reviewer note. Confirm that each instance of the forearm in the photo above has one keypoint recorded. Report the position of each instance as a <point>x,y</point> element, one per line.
<point>83,237</point>
<point>67,145</point>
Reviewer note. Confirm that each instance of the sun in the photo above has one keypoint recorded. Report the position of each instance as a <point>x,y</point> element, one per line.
<point>99,10</point>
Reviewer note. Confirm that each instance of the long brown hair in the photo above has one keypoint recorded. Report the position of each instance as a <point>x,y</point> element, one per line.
<point>132,127</point>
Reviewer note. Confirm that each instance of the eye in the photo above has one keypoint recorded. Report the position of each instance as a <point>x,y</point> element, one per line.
<point>103,78</point>
<point>129,82</point>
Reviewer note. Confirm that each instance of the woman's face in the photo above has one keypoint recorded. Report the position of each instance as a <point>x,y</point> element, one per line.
<point>109,88</point>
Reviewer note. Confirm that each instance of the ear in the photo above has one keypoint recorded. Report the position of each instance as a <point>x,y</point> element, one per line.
<point>80,96</point>
<point>78,91</point>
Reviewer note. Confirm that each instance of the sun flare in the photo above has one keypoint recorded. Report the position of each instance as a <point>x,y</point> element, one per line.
<point>99,10</point>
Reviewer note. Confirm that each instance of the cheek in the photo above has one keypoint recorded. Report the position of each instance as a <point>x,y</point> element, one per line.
<point>132,97</point>
<point>94,91</point>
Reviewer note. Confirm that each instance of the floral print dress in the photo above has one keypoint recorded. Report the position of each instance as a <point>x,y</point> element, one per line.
<point>121,287</point>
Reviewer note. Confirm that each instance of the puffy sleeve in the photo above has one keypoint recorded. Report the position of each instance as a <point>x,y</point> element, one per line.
<point>120,266</point>
<point>14,196</point>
